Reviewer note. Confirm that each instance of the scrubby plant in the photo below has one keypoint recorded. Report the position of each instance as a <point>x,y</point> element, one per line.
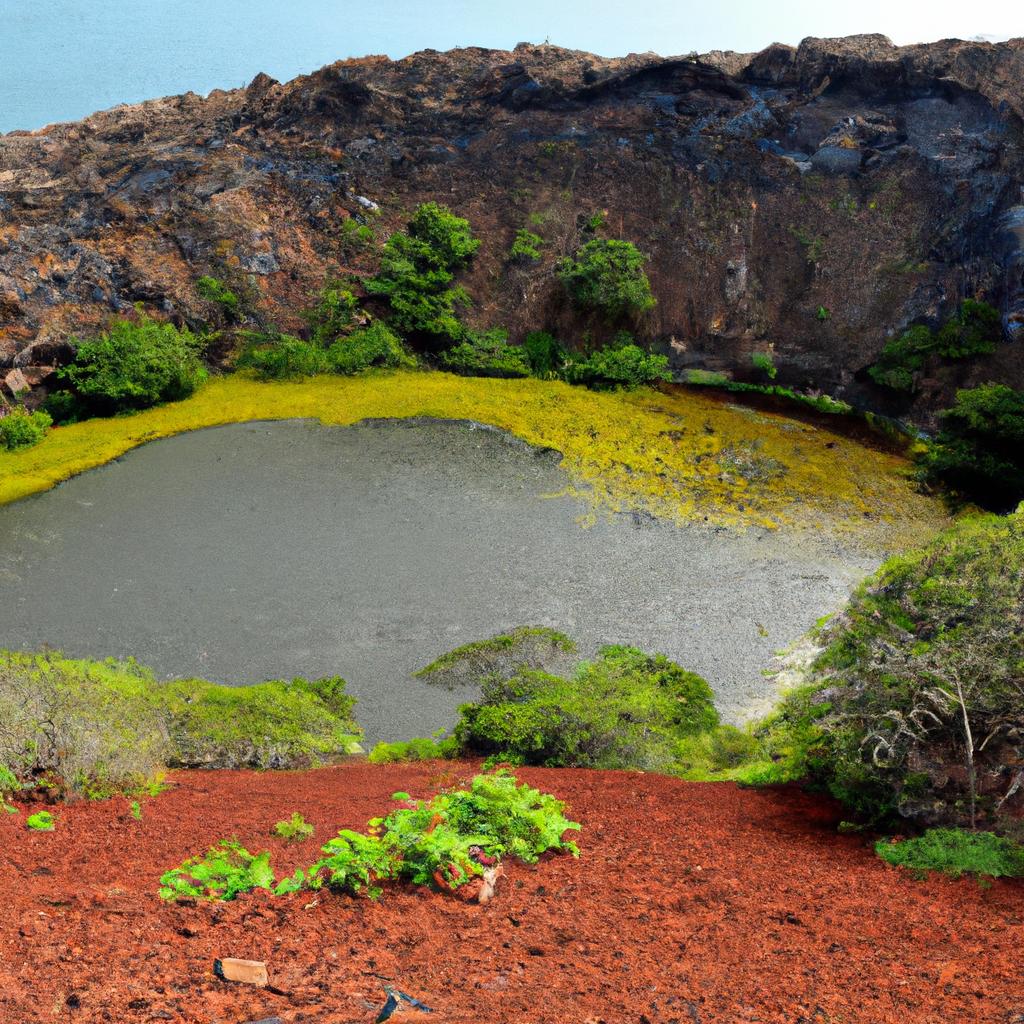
<point>294,829</point>
<point>620,365</point>
<point>546,355</point>
<point>215,291</point>
<point>98,728</point>
<point>763,362</point>
<point>607,276</point>
<point>335,310</point>
<point>41,821</point>
<point>223,872</point>
<point>133,365</point>
<point>486,354</point>
<point>915,704</point>
<point>22,429</point>
<point>526,247</point>
<point>427,748</point>
<point>979,451</point>
<point>955,852</point>
<point>416,273</point>
<point>355,237</point>
<point>376,345</point>
<point>283,357</point>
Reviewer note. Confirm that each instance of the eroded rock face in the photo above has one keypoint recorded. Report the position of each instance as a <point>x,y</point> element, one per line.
<point>880,184</point>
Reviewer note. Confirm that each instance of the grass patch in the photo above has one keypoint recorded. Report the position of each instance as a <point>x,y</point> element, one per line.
<point>631,451</point>
<point>956,852</point>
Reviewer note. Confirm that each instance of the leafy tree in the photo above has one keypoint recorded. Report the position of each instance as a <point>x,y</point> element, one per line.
<point>979,451</point>
<point>607,276</point>
<point>133,365</point>
<point>416,274</point>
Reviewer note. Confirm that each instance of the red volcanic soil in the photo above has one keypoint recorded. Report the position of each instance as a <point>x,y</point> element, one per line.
<point>691,903</point>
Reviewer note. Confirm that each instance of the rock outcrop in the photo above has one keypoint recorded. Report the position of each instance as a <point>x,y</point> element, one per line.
<point>808,202</point>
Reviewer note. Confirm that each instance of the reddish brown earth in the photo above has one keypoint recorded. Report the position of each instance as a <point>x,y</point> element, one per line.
<point>690,903</point>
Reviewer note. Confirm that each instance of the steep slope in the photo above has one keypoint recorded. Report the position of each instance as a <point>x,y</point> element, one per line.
<point>807,202</point>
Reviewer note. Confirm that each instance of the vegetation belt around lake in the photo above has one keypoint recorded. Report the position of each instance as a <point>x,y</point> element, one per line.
<point>681,457</point>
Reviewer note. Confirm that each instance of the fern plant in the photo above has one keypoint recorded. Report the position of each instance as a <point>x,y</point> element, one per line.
<point>221,873</point>
<point>294,829</point>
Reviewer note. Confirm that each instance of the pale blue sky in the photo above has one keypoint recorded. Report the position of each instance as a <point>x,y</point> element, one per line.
<point>62,59</point>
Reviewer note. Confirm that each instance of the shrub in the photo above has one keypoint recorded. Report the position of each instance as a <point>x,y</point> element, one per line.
<point>41,821</point>
<point>526,247</point>
<point>425,749</point>
<point>223,872</point>
<point>625,709</point>
<point>607,276</point>
<point>902,357</point>
<point>416,271</point>
<point>217,292</point>
<point>914,704</point>
<point>486,354</point>
<point>333,314</point>
<point>376,345</point>
<point>135,365</point>
<point>294,829</point>
<point>956,852</point>
<point>622,365</point>
<point>283,357</point>
<point>545,354</point>
<point>979,451</point>
<point>98,728</point>
<point>22,429</point>
<point>763,362</point>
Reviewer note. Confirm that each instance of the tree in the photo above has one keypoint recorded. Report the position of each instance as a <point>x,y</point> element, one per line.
<point>607,276</point>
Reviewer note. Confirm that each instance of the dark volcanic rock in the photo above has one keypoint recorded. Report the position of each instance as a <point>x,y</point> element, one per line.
<point>880,183</point>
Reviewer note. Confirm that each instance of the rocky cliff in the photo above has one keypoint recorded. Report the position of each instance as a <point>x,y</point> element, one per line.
<point>806,202</point>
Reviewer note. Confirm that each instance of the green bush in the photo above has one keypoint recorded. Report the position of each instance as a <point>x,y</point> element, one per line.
<point>41,821</point>
<point>135,365</point>
<point>979,451</point>
<point>425,749</point>
<point>621,365</point>
<point>486,354</point>
<point>223,872</point>
<point>929,645</point>
<point>625,709</point>
<point>416,273</point>
<point>98,728</point>
<point>294,829</point>
<point>956,852</point>
<point>22,429</point>
<point>333,313</point>
<point>526,248</point>
<point>545,354</point>
<point>974,330</point>
<point>376,345</point>
<point>607,276</point>
<point>283,357</point>
<point>217,292</point>
<point>763,362</point>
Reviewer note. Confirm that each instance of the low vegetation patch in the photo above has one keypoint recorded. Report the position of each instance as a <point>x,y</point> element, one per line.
<point>619,365</point>
<point>294,829</point>
<point>445,842</point>
<point>41,821</point>
<point>956,852</point>
<point>80,728</point>
<point>486,354</point>
<point>607,276</point>
<point>20,428</point>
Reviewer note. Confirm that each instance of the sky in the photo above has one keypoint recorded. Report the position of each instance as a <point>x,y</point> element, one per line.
<point>63,59</point>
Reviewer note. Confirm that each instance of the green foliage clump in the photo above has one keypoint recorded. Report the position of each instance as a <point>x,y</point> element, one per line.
<point>22,429</point>
<point>974,330</point>
<point>416,273</point>
<point>427,748</point>
<point>355,237</point>
<point>546,355</point>
<point>486,354</point>
<point>763,362</point>
<point>133,365</point>
<point>333,313</point>
<point>915,701</point>
<point>98,728</point>
<point>223,872</point>
<point>979,451</point>
<point>956,852</point>
<point>217,292</point>
<point>532,646</point>
<point>620,365</point>
<point>607,276</point>
<point>283,357</point>
<point>376,345</point>
<point>624,709</point>
<point>294,829</point>
<point>526,247</point>
<point>41,821</point>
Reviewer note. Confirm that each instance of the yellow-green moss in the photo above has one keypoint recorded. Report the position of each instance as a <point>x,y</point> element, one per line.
<point>682,456</point>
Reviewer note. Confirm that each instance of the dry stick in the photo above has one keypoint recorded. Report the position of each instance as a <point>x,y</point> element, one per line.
<point>971,781</point>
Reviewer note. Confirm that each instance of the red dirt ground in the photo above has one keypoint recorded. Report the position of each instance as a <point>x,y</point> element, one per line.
<point>690,903</point>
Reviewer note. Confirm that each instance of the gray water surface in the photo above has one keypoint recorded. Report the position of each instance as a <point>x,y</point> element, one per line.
<point>269,550</point>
